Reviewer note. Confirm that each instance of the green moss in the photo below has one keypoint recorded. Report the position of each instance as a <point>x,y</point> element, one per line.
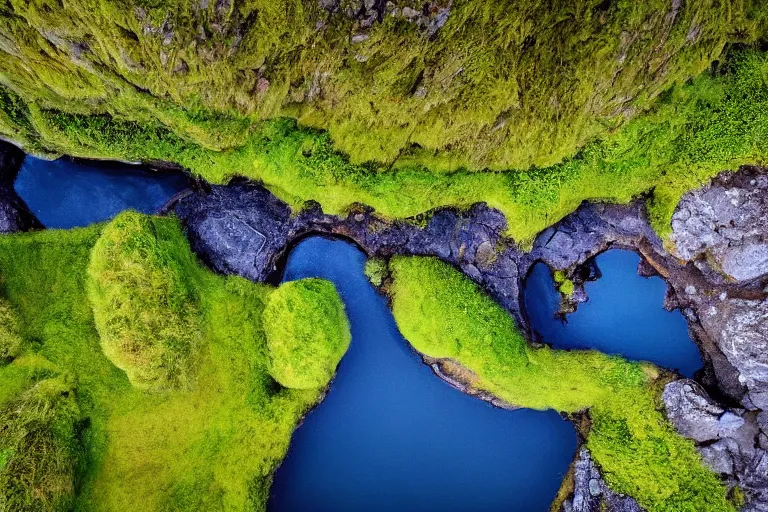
<point>639,452</point>
<point>307,333</point>
<point>564,285</point>
<point>39,448</point>
<point>10,340</point>
<point>144,304</point>
<point>376,270</point>
<point>210,446</point>
<point>501,85</point>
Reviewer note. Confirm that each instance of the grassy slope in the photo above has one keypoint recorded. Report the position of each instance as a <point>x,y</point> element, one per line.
<point>443,314</point>
<point>502,85</point>
<point>693,132</point>
<point>212,447</point>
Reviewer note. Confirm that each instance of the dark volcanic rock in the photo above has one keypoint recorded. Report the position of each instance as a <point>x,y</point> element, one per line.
<point>591,493</point>
<point>236,229</point>
<point>14,213</point>
<point>243,229</point>
<point>727,221</point>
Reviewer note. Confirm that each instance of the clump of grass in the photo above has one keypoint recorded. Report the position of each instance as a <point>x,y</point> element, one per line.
<point>638,450</point>
<point>10,339</point>
<point>307,333</point>
<point>564,285</point>
<point>39,448</point>
<point>144,302</point>
<point>376,270</point>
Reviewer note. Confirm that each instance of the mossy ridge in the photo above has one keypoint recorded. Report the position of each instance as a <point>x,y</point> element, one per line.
<point>495,87</point>
<point>693,132</point>
<point>212,446</point>
<point>444,315</point>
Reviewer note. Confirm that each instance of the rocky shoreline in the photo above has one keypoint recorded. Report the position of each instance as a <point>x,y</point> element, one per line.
<point>717,275</point>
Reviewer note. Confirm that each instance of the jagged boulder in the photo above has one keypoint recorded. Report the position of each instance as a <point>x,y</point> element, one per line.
<point>726,221</point>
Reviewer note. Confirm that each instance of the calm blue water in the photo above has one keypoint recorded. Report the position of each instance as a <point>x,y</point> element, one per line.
<point>624,315</point>
<point>391,436</point>
<point>64,194</point>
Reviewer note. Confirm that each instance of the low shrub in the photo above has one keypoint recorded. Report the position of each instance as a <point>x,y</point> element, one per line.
<point>307,333</point>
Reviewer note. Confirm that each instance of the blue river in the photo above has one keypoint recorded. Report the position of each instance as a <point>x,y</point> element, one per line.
<point>66,194</point>
<point>624,315</point>
<point>392,436</point>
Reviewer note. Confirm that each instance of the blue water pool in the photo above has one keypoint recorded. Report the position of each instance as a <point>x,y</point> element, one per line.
<point>624,315</point>
<point>390,436</point>
<point>66,194</point>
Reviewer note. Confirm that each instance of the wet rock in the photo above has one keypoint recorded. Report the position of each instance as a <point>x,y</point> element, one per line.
<point>236,229</point>
<point>739,327</point>
<point>590,492</point>
<point>15,215</point>
<point>695,415</point>
<point>727,221</point>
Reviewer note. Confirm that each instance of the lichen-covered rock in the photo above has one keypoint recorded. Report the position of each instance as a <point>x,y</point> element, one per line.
<point>591,493</point>
<point>726,221</point>
<point>695,415</point>
<point>739,327</point>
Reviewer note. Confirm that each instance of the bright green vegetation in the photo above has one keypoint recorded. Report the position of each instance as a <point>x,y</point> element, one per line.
<point>501,85</point>
<point>10,340</point>
<point>39,448</point>
<point>564,285</point>
<point>444,315</point>
<point>307,333</point>
<point>143,301</point>
<point>694,131</point>
<point>375,270</point>
<point>211,444</point>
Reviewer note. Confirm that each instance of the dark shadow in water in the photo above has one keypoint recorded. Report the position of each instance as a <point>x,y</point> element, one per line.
<point>624,315</point>
<point>391,436</point>
<point>65,194</point>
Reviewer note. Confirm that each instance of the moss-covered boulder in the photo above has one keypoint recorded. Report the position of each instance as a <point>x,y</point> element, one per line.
<point>307,333</point>
<point>39,448</point>
<point>144,300</point>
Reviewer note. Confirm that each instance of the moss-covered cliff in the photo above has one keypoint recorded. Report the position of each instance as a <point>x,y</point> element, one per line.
<point>489,84</point>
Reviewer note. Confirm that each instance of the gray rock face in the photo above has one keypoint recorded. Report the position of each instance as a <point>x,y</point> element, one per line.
<point>739,327</point>
<point>591,493</point>
<point>695,415</point>
<point>726,220</point>
<point>731,442</point>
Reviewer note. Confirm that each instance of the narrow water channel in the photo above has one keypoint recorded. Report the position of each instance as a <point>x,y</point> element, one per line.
<point>392,436</point>
<point>623,315</point>
<point>65,194</point>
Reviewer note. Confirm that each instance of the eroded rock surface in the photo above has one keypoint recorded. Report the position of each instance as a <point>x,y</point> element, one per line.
<point>732,442</point>
<point>727,221</point>
<point>591,493</point>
